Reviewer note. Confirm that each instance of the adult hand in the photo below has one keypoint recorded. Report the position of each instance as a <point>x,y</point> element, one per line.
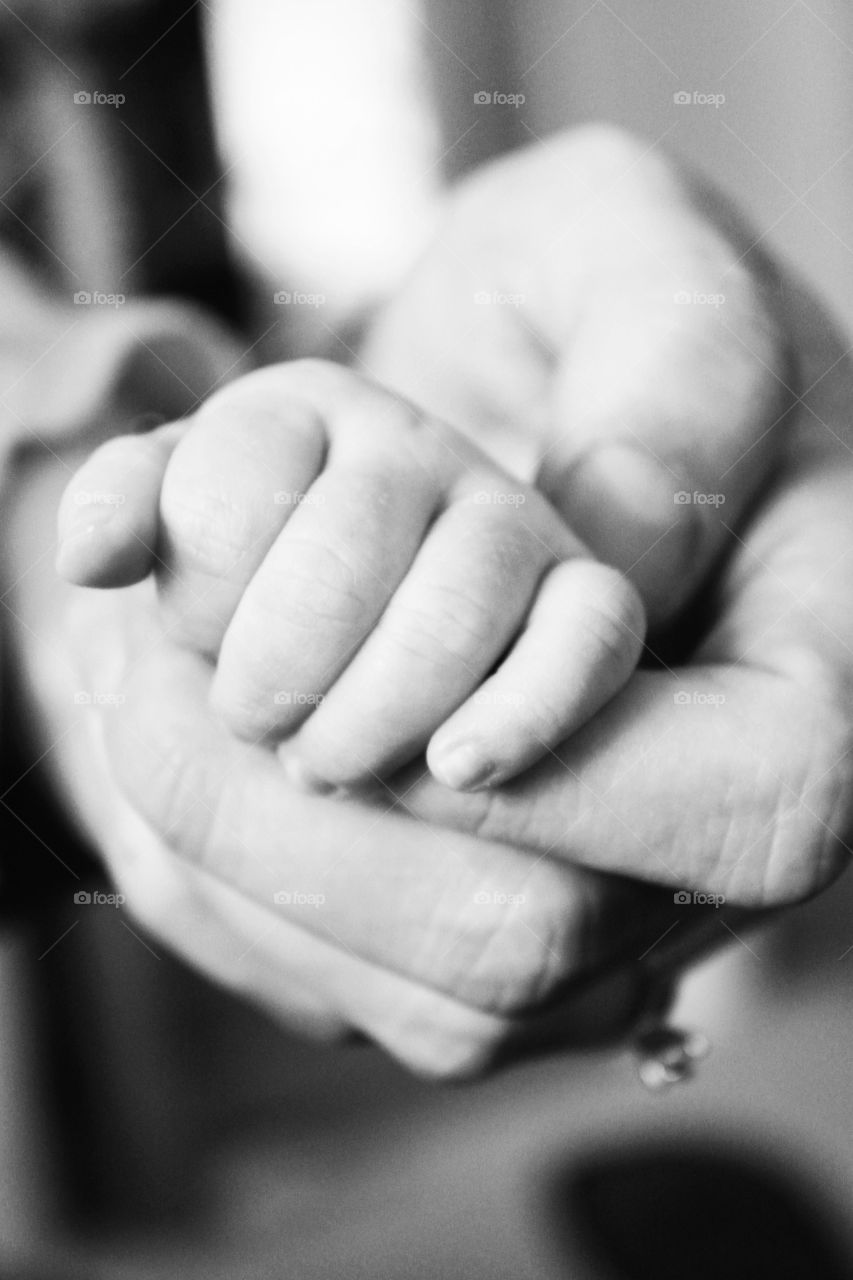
<point>335,916</point>
<point>202,832</point>
<point>632,340</point>
<point>600,321</point>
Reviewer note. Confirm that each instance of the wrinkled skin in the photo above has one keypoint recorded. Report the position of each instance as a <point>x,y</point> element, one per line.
<point>745,794</point>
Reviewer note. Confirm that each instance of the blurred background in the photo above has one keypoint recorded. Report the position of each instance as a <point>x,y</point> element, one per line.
<point>152,1126</point>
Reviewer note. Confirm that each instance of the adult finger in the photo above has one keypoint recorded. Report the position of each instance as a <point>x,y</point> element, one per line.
<point>616,323</point>
<point>732,775</point>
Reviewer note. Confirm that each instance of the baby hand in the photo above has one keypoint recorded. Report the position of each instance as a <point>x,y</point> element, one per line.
<point>368,583</point>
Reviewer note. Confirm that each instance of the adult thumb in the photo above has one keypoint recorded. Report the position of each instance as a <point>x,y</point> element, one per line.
<point>665,416</point>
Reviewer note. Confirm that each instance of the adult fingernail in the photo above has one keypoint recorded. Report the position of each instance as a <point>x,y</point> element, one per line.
<point>463,767</point>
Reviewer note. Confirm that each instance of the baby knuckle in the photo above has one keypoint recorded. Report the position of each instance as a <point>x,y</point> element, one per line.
<point>252,697</point>
<point>337,755</point>
<point>541,716</point>
<point>447,623</point>
<point>623,602</point>
<point>615,596</point>
<point>125,453</point>
<point>615,619</point>
<point>320,586</point>
<point>204,529</point>
<point>248,711</point>
<point>314,375</point>
<point>264,387</point>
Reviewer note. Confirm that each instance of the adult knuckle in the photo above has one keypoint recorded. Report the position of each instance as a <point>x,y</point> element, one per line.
<point>598,150</point>
<point>825,802</point>
<point>807,787</point>
<point>442,1038</point>
<point>455,1051</point>
<point>529,943</point>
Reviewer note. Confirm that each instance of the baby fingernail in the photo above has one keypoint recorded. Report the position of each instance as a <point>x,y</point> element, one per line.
<point>82,516</point>
<point>463,767</point>
<point>77,545</point>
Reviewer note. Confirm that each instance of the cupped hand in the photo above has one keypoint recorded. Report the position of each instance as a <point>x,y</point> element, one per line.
<point>334,915</point>
<point>645,360</point>
<point>599,319</point>
<point>358,620</point>
<point>737,792</point>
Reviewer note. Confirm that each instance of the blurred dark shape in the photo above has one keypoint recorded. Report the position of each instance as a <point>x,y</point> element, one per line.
<point>147,177</point>
<point>164,137</point>
<point>697,1210</point>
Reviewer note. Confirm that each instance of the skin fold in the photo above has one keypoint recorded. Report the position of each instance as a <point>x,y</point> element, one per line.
<point>740,786</point>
